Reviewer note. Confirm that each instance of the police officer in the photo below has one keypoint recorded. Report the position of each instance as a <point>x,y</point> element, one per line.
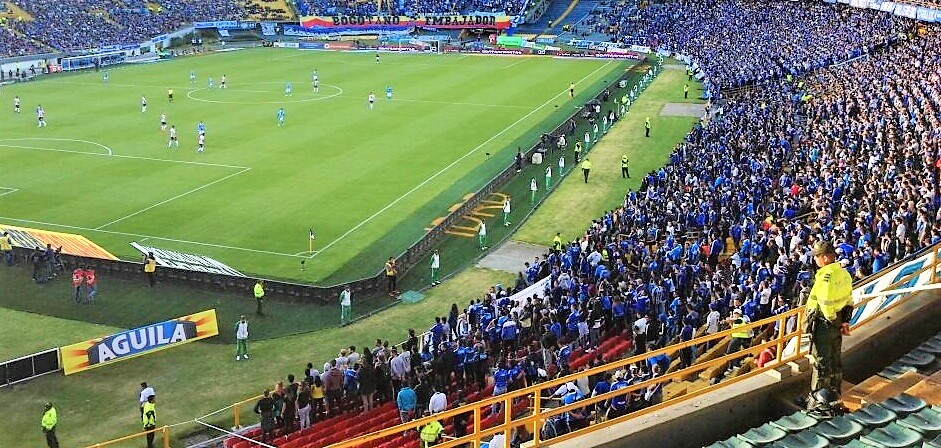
<point>829,308</point>
<point>48,423</point>
<point>149,420</point>
<point>686,91</point>
<point>259,292</point>
<point>647,127</point>
<point>586,168</point>
<point>625,172</point>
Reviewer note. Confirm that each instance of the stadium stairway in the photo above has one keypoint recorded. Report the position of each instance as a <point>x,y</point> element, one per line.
<point>547,21</point>
<point>900,407</point>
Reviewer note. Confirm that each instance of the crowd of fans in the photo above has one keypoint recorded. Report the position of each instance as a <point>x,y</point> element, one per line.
<point>82,24</point>
<point>407,7</point>
<point>741,41</point>
<point>12,45</point>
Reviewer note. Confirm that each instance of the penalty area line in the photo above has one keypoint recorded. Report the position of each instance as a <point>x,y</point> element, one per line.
<point>452,164</point>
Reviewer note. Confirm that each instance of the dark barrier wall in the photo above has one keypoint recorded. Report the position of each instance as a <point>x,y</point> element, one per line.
<point>286,291</point>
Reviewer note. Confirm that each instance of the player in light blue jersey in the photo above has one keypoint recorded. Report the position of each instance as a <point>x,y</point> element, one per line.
<point>280,117</point>
<point>288,89</point>
<point>201,128</point>
<point>388,92</point>
<point>211,82</point>
<point>192,77</point>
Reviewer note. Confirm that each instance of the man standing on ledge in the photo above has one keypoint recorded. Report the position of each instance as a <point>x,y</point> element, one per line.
<point>259,291</point>
<point>436,265</point>
<point>346,305</point>
<point>48,422</point>
<point>829,309</point>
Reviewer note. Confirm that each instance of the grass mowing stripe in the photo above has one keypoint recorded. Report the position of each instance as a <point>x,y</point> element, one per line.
<point>443,170</point>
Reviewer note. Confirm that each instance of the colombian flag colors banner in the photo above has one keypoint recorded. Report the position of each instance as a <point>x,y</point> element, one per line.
<point>139,341</point>
<point>71,244</point>
<point>380,23</point>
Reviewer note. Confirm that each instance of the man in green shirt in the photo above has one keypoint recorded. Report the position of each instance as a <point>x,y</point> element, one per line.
<point>48,422</point>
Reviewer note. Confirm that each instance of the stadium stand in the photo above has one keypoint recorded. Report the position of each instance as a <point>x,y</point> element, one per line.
<point>902,411</point>
<point>12,45</point>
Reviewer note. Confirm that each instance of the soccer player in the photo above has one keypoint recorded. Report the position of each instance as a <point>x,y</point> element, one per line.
<point>315,81</point>
<point>211,83</point>
<point>104,77</point>
<point>201,128</point>
<point>192,77</point>
<point>388,92</point>
<point>40,117</point>
<point>143,104</point>
<point>548,177</point>
<point>202,143</point>
<point>170,95</point>
<point>16,104</point>
<point>533,188</point>
<point>173,139</point>
<point>571,90</point>
<point>222,82</point>
<point>372,100</point>
<point>316,86</point>
<point>280,117</point>
<point>506,212</point>
<point>163,121</point>
<point>288,89</point>
<point>377,57</point>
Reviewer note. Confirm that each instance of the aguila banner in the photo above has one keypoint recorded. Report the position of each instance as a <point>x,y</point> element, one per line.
<point>381,23</point>
<point>139,341</point>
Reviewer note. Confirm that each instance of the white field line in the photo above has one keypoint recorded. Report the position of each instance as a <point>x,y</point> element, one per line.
<point>153,159</point>
<point>522,60</point>
<point>165,201</point>
<point>152,237</point>
<point>452,164</point>
<point>8,190</point>
<point>106,148</point>
<point>446,103</point>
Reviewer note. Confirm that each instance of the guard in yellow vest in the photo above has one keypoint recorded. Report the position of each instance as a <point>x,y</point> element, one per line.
<point>259,291</point>
<point>829,310</point>
<point>49,421</point>
<point>686,91</point>
<point>740,339</point>
<point>625,172</point>
<point>150,420</point>
<point>6,247</point>
<point>150,268</point>
<point>647,127</point>
<point>586,167</point>
<point>557,242</point>
<point>431,433</point>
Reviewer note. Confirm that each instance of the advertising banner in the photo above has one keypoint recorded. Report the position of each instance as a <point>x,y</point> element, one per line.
<point>71,244</point>
<point>139,341</point>
<point>188,262</point>
<point>385,23</point>
<point>222,24</point>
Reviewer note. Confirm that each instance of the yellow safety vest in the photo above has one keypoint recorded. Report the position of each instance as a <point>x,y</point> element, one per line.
<point>586,165</point>
<point>430,432</point>
<point>647,123</point>
<point>150,265</point>
<point>557,243</point>
<point>832,291</point>
<point>5,243</point>
<point>259,291</point>
<point>739,334</point>
<point>49,419</point>
<point>150,415</point>
<point>624,161</point>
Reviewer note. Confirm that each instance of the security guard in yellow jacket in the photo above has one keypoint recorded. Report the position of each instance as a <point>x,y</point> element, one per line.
<point>829,309</point>
<point>49,421</point>
<point>625,167</point>
<point>149,419</point>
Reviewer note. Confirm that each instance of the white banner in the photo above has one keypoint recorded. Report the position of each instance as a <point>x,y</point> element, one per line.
<point>189,262</point>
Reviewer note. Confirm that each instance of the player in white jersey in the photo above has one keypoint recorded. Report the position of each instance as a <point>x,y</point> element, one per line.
<point>173,139</point>
<point>202,143</point>
<point>16,104</point>
<point>288,89</point>
<point>315,81</point>
<point>143,104</point>
<point>222,82</point>
<point>192,77</point>
<point>163,121</point>
<point>40,117</point>
<point>372,100</point>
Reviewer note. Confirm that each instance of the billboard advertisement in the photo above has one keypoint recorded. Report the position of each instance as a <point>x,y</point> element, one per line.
<point>139,341</point>
<point>71,244</point>
<point>399,23</point>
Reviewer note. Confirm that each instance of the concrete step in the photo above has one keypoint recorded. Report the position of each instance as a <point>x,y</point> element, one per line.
<point>928,389</point>
<point>853,399</point>
<point>895,387</point>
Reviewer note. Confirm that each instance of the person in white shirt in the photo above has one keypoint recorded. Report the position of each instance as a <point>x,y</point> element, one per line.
<point>145,392</point>
<point>506,212</point>
<point>346,305</point>
<point>241,339</point>
<point>438,402</point>
<point>343,361</point>
<point>482,236</point>
<point>435,268</point>
<point>353,357</point>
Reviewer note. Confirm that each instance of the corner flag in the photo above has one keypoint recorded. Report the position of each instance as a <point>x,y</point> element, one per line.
<point>310,241</point>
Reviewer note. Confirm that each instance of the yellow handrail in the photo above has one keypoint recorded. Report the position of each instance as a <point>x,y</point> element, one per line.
<point>164,432</point>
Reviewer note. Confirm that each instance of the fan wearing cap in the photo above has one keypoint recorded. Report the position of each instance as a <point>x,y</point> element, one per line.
<point>48,423</point>
<point>829,308</point>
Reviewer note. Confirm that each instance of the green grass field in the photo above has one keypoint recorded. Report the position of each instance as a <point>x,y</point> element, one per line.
<point>367,181</point>
<point>198,378</point>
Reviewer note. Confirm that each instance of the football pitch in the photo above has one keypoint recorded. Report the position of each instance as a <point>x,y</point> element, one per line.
<point>364,180</point>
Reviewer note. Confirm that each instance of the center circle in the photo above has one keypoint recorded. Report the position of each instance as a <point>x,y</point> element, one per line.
<point>337,91</point>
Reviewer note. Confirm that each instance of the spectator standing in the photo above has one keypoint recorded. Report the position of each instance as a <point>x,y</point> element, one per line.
<point>406,400</point>
<point>265,408</point>
<point>150,268</point>
<point>259,292</point>
<point>303,405</point>
<point>49,421</point>
<point>828,312</point>
<point>438,401</point>
<point>241,339</point>
<point>91,283</point>
<point>6,247</point>
<point>333,388</point>
<point>145,392</point>
<point>78,282</point>
<point>431,433</point>
<point>346,305</point>
<point>436,267</point>
<point>367,380</point>
<point>391,273</point>
<point>317,394</point>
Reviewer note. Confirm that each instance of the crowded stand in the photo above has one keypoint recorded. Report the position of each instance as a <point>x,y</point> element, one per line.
<point>12,45</point>
<point>408,7</point>
<point>722,232</point>
<point>738,41</point>
<point>82,24</point>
